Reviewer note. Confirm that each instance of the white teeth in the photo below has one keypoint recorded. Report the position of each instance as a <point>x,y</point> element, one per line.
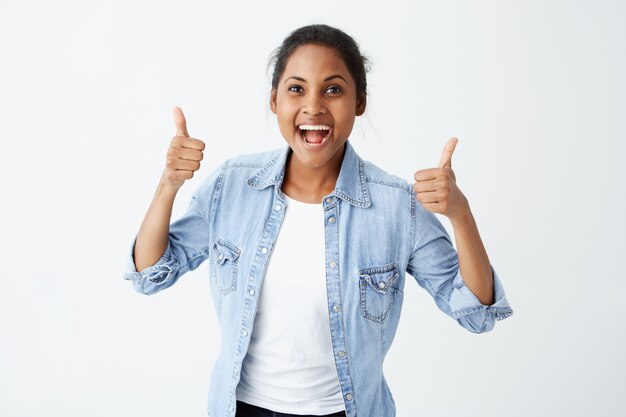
<point>314,127</point>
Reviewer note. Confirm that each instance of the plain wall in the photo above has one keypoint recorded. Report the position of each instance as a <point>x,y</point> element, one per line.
<point>533,90</point>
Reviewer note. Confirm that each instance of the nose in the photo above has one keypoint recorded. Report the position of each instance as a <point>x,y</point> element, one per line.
<point>314,106</point>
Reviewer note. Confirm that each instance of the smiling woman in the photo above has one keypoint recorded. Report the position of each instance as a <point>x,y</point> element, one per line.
<point>308,246</point>
<point>316,93</point>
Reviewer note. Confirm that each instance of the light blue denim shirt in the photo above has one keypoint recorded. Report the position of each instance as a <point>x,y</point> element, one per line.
<point>375,231</point>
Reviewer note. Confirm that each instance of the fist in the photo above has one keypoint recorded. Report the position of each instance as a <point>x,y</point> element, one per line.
<point>184,154</point>
<point>437,189</point>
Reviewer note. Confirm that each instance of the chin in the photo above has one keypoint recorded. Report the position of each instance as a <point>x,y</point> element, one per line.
<point>311,161</point>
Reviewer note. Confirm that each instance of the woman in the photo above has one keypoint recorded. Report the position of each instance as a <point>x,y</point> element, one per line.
<point>308,246</point>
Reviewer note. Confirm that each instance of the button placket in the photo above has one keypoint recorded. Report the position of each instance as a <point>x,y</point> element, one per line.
<point>333,276</point>
<point>269,230</point>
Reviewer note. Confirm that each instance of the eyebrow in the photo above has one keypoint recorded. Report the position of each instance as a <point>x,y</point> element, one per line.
<point>295,77</point>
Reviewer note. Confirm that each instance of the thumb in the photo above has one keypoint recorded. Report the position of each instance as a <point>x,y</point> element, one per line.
<point>181,123</point>
<point>446,155</point>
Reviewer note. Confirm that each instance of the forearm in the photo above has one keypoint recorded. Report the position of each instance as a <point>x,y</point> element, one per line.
<point>153,235</point>
<point>473,260</point>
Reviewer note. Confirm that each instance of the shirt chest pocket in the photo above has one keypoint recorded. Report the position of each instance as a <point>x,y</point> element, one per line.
<point>225,267</point>
<point>378,291</point>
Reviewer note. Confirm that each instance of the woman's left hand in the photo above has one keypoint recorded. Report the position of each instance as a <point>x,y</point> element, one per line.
<point>437,189</point>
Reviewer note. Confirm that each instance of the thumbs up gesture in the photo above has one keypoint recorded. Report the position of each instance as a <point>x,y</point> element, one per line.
<point>437,189</point>
<point>184,154</point>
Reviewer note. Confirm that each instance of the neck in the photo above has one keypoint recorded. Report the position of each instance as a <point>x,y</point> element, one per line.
<point>311,184</point>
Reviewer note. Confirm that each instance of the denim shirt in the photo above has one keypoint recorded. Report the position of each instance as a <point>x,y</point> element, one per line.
<point>375,230</point>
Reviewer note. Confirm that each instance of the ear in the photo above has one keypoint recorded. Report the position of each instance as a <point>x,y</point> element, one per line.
<point>273,101</point>
<point>360,105</point>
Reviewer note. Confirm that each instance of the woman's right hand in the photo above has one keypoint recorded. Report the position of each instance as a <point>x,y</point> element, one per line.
<point>183,156</point>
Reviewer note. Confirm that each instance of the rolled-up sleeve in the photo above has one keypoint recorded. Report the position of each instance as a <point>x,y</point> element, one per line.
<point>434,264</point>
<point>157,277</point>
<point>187,247</point>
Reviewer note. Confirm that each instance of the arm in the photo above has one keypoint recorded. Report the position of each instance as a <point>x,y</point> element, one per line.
<point>464,285</point>
<point>473,261</point>
<point>435,265</point>
<point>183,159</point>
<point>160,252</point>
<point>186,241</point>
<point>152,238</point>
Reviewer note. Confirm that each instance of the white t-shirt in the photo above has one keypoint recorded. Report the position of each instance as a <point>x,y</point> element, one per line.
<point>289,366</point>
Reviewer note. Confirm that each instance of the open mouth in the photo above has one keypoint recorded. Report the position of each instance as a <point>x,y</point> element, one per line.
<point>314,135</point>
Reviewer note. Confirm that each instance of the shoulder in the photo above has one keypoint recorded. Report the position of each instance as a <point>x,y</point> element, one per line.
<point>377,176</point>
<point>238,165</point>
<point>382,183</point>
<point>389,187</point>
<point>243,165</point>
<point>252,160</point>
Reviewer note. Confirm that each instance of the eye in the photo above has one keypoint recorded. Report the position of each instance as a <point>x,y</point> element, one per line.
<point>295,88</point>
<point>335,88</point>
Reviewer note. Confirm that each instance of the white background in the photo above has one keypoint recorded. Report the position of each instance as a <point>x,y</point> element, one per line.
<point>533,90</point>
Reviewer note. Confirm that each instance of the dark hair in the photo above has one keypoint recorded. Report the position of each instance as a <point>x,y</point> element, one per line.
<point>325,35</point>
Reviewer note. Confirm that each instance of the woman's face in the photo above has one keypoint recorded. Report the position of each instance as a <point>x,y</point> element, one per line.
<point>316,90</point>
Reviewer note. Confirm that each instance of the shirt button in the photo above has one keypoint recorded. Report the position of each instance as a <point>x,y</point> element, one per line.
<point>333,264</point>
<point>236,371</point>
<point>329,200</point>
<point>381,285</point>
<point>331,220</point>
<point>231,408</point>
<point>335,308</point>
<point>341,354</point>
<point>264,251</point>
<point>244,333</point>
<point>348,397</point>
<point>251,292</point>
<point>278,207</point>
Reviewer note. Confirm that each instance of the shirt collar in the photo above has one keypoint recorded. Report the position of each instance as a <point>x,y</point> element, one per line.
<point>351,185</point>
